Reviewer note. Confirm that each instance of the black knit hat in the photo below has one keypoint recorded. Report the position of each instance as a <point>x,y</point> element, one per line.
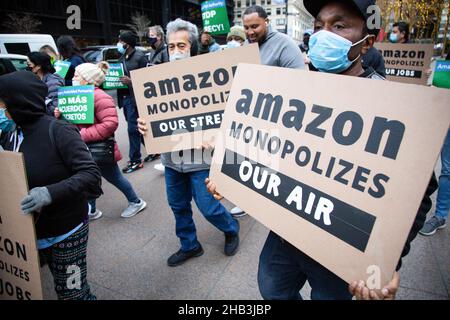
<point>129,38</point>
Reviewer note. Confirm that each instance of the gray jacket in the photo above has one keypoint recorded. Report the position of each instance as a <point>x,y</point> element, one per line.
<point>158,56</point>
<point>279,50</point>
<point>187,160</point>
<point>53,82</point>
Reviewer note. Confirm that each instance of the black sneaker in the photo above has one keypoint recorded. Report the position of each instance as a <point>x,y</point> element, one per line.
<point>151,157</point>
<point>132,166</point>
<point>181,257</point>
<point>231,243</point>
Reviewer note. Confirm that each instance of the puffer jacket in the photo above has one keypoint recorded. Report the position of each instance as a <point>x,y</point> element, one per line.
<point>106,121</point>
<point>53,82</point>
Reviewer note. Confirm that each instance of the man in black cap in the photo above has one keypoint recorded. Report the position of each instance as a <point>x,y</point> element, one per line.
<point>131,59</point>
<point>341,33</point>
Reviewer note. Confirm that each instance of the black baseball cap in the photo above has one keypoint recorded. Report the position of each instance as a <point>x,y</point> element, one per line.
<point>314,7</point>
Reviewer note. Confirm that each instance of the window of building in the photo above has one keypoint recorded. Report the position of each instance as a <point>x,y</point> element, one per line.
<point>269,11</point>
<point>239,4</point>
<point>278,11</point>
<point>281,22</point>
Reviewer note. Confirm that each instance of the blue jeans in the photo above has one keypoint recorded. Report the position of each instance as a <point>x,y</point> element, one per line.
<point>181,188</point>
<point>131,115</point>
<point>443,197</point>
<point>113,175</point>
<point>283,271</point>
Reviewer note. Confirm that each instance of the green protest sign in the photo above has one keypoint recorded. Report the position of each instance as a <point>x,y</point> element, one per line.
<point>77,104</point>
<point>112,80</point>
<point>61,67</point>
<point>215,17</point>
<point>441,77</point>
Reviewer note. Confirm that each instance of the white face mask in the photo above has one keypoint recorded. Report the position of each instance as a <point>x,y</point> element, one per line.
<point>76,83</point>
<point>233,44</point>
<point>179,56</point>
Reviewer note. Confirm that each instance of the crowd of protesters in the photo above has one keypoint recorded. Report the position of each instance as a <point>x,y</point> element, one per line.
<point>65,179</point>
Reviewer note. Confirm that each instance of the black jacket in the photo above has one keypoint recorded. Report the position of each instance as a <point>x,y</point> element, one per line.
<point>374,59</point>
<point>63,165</point>
<point>135,60</point>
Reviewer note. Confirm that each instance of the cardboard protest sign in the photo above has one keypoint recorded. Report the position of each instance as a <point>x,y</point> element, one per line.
<point>20,277</point>
<point>77,104</point>
<point>406,63</point>
<point>112,79</point>
<point>215,17</point>
<point>183,101</point>
<point>441,77</point>
<point>335,172</point>
<point>61,67</point>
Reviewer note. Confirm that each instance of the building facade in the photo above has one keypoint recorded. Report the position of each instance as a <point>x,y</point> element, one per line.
<point>101,20</point>
<point>443,37</point>
<point>292,18</point>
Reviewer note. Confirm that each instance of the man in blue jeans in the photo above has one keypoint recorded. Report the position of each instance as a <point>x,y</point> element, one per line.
<point>284,269</point>
<point>131,59</point>
<point>186,171</point>
<point>438,221</point>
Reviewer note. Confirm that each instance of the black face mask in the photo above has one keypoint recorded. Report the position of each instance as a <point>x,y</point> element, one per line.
<point>152,41</point>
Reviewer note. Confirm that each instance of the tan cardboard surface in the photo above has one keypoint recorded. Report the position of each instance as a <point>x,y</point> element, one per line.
<point>367,230</point>
<point>183,101</point>
<point>406,63</point>
<point>19,265</point>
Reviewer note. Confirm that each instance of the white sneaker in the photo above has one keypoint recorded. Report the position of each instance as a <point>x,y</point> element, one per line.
<point>95,215</point>
<point>133,209</point>
<point>160,167</point>
<point>237,212</point>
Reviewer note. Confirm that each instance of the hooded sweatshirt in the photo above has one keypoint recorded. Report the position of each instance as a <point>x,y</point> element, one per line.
<point>278,50</point>
<point>63,165</point>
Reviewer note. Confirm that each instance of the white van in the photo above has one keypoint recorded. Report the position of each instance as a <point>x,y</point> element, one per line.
<point>25,43</point>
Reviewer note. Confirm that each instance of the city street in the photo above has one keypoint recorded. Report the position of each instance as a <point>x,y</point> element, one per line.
<point>127,257</point>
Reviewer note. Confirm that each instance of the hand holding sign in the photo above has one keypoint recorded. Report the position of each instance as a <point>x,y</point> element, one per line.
<point>212,189</point>
<point>362,292</point>
<point>142,126</point>
<point>125,80</point>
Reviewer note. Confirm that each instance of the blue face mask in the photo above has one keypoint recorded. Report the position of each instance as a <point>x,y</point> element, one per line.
<point>393,38</point>
<point>121,48</point>
<point>6,125</point>
<point>328,51</point>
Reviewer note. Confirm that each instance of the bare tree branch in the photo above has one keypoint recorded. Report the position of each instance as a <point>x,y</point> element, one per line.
<point>139,24</point>
<point>21,24</point>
